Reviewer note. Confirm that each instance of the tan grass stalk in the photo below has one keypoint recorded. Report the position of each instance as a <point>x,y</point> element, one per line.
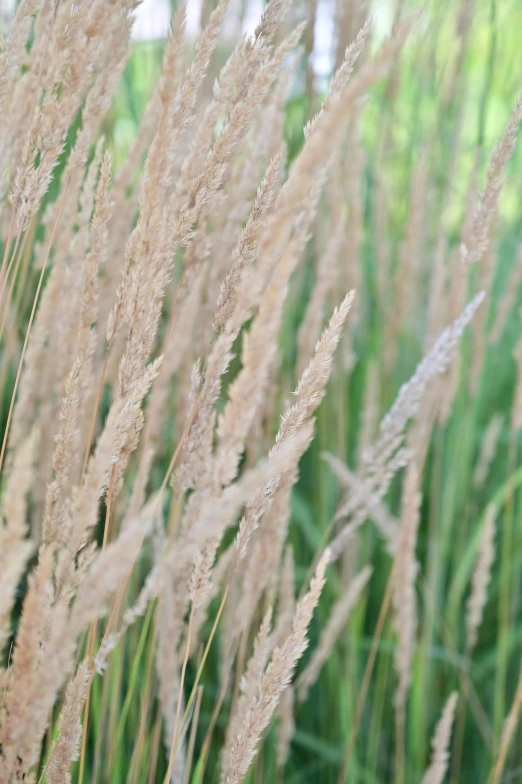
<point>122,420</point>
<point>327,271</point>
<point>480,580</point>
<point>488,450</point>
<point>309,393</point>
<point>216,515</point>
<point>250,681</point>
<point>516,407</point>
<point>508,730</point>
<point>274,681</point>
<point>387,454</point>
<point>405,604</point>
<point>95,260</point>
<point>441,744</point>
<point>64,453</point>
<point>66,748</point>
<point>364,493</point>
<point>342,75</point>
<point>19,717</point>
<point>322,141</point>
<point>334,627</point>
<point>245,251</point>
<point>168,85</point>
<point>473,248</point>
<point>106,571</point>
<point>174,119</point>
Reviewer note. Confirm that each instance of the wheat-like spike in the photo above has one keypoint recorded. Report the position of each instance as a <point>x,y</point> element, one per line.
<point>387,455</point>
<point>231,87</point>
<point>408,399</point>
<point>404,598</point>
<point>275,499</point>
<point>312,383</point>
<point>200,581</point>
<point>516,407</point>
<point>166,88</point>
<point>508,730</point>
<point>440,744</point>
<point>261,566</point>
<point>109,567</point>
<point>66,748</point>
<point>15,721</point>
<point>149,233</point>
<point>362,493</point>
<point>215,516</point>
<point>309,394</point>
<point>122,420</point>
<point>95,259</point>
<point>473,248</point>
<point>480,580</point>
<point>250,680</point>
<point>342,75</point>
<point>310,328</point>
<point>488,449</point>
<point>274,681</point>
<point>334,627</point>
<point>64,453</point>
<point>245,251</point>
<point>71,61</point>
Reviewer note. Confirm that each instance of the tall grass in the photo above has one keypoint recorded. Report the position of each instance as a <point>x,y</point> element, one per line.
<point>261,399</point>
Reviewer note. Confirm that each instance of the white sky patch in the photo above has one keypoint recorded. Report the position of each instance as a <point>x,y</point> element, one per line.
<point>7,9</point>
<point>252,15</point>
<point>193,17</point>
<point>152,20</point>
<point>323,54</point>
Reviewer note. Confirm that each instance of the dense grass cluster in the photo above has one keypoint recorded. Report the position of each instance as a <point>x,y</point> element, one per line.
<point>261,384</point>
